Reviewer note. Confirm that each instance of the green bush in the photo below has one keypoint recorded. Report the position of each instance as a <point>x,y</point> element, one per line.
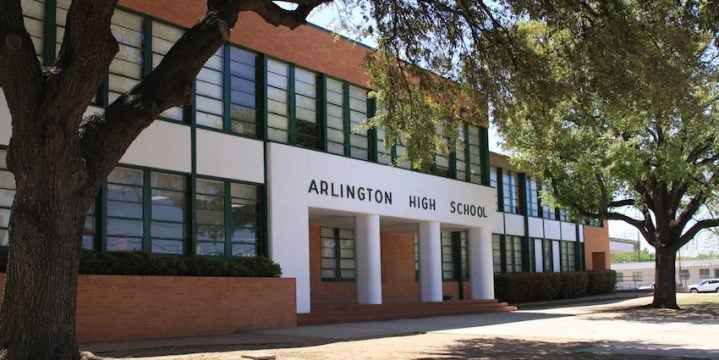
<point>140,263</point>
<point>601,281</point>
<point>527,287</point>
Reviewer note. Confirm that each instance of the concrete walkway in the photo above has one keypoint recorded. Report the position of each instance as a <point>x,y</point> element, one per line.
<point>605,328</point>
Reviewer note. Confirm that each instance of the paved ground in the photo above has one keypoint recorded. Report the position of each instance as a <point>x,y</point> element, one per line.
<point>611,330</point>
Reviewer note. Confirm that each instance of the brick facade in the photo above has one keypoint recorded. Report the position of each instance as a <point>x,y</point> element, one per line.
<point>111,308</point>
<point>596,247</point>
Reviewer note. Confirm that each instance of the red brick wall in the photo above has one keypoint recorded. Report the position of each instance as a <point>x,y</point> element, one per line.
<point>307,46</point>
<point>152,307</point>
<point>596,240</point>
<point>399,282</point>
<point>451,288</point>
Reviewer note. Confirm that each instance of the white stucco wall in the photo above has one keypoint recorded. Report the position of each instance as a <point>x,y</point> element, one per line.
<point>536,227</point>
<point>162,145</point>
<point>514,224</point>
<point>552,229</point>
<point>230,157</point>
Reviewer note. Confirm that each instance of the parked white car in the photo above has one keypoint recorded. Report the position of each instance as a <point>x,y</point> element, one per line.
<point>708,285</point>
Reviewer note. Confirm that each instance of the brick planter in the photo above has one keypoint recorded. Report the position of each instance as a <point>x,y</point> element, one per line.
<point>151,307</point>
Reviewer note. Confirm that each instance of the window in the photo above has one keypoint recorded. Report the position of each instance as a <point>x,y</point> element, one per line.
<point>243,103</point>
<point>475,155</point>
<point>167,225</point>
<point>493,183</point>
<point>704,274</point>
<point>277,101</point>
<point>451,260</point>
<point>335,117</point>
<point>510,192</point>
<point>359,145</point>
<point>89,229</point>
<point>126,68</point>
<point>637,276</point>
<point>716,273</point>
<point>684,274</point>
<point>513,251</point>
<point>441,158</point>
<point>125,209</point>
<point>308,129</point>
<point>547,211</point>
<point>620,277</point>
<point>210,200</point>
<point>245,204</point>
<point>460,157</point>
<point>565,215</point>
<point>209,92</point>
<point>163,38</point>
<point>7,195</point>
<point>384,152</point>
<point>400,156</point>
<point>547,255</point>
<point>532,197</point>
<point>338,254</point>
<point>567,251</point>
<point>34,17</point>
<point>497,252</point>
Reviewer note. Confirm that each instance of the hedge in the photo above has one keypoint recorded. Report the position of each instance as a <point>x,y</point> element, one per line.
<point>527,287</point>
<point>140,263</point>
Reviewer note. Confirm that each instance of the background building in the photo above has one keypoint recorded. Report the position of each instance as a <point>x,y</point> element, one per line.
<point>637,274</point>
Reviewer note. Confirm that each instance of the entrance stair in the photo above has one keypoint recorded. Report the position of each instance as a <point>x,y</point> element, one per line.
<point>335,314</point>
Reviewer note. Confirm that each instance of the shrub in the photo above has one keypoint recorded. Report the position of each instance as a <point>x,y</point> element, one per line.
<point>526,287</point>
<point>601,281</point>
<point>140,263</point>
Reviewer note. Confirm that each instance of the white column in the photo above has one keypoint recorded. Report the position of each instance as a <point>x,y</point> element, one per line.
<point>369,262</point>
<point>430,262</point>
<point>481,267</point>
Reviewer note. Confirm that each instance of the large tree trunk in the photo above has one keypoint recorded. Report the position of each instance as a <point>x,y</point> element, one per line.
<point>665,291</point>
<point>37,317</point>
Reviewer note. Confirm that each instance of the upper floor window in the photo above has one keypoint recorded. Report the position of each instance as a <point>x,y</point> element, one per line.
<point>243,103</point>
<point>277,101</point>
<point>209,92</point>
<point>510,192</point>
<point>359,143</point>
<point>308,128</point>
<point>34,18</point>
<point>493,183</point>
<point>460,156</point>
<point>475,154</point>
<point>164,38</point>
<point>532,197</point>
<point>126,68</point>
<point>547,211</point>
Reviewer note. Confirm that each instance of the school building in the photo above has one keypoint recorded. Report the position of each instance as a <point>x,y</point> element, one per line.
<point>271,160</point>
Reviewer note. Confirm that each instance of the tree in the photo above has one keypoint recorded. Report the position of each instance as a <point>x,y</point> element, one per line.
<point>622,114</point>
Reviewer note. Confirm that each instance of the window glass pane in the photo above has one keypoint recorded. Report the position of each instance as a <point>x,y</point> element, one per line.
<point>475,168</point>
<point>532,197</point>
<point>338,254</point>
<point>210,214</point>
<point>34,18</point>
<point>167,229</point>
<point>124,209</point>
<point>496,253</point>
<point>245,219</point>
<point>358,118</point>
<point>126,68</point>
<point>242,98</point>
<point>209,92</point>
<point>460,156</point>
<point>277,100</point>
<point>163,38</point>
<point>384,151</point>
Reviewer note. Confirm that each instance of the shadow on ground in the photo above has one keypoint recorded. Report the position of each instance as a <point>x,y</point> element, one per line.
<point>701,313</point>
<point>510,348</point>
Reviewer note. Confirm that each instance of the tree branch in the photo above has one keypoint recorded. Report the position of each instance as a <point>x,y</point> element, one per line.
<point>694,230</point>
<point>620,203</point>
<point>22,83</point>
<point>278,16</point>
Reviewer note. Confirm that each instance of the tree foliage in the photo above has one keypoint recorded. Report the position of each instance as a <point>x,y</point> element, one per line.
<point>623,115</point>
<point>622,257</point>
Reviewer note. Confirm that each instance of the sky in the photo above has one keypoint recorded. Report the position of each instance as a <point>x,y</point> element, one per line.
<point>327,17</point>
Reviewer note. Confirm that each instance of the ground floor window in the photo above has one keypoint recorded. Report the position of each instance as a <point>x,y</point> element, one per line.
<point>704,274</point>
<point>454,255</point>
<point>497,252</point>
<point>568,255</point>
<point>716,273</point>
<point>620,277</point>
<point>513,251</point>
<point>338,254</point>
<point>547,261</point>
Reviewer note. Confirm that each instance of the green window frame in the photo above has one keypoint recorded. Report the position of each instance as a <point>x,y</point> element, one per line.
<point>497,253</point>
<point>242,72</point>
<point>7,196</point>
<point>474,151</point>
<point>307,124</point>
<point>547,256</point>
<point>568,253</point>
<point>125,209</point>
<point>278,98</point>
<point>126,68</point>
<point>209,92</point>
<point>510,192</point>
<point>168,213</point>
<point>532,197</point>
<point>513,253</point>
<point>493,183</point>
<point>338,258</point>
<point>455,258</point>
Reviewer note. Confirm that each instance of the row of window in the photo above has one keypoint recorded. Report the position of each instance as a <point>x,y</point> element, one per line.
<point>520,194</point>
<point>246,93</point>
<point>508,253</point>
<point>153,211</point>
<point>338,261</point>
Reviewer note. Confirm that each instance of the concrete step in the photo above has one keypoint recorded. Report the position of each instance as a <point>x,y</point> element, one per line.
<point>333,314</point>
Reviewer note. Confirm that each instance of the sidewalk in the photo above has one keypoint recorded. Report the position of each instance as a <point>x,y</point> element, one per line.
<point>599,327</point>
